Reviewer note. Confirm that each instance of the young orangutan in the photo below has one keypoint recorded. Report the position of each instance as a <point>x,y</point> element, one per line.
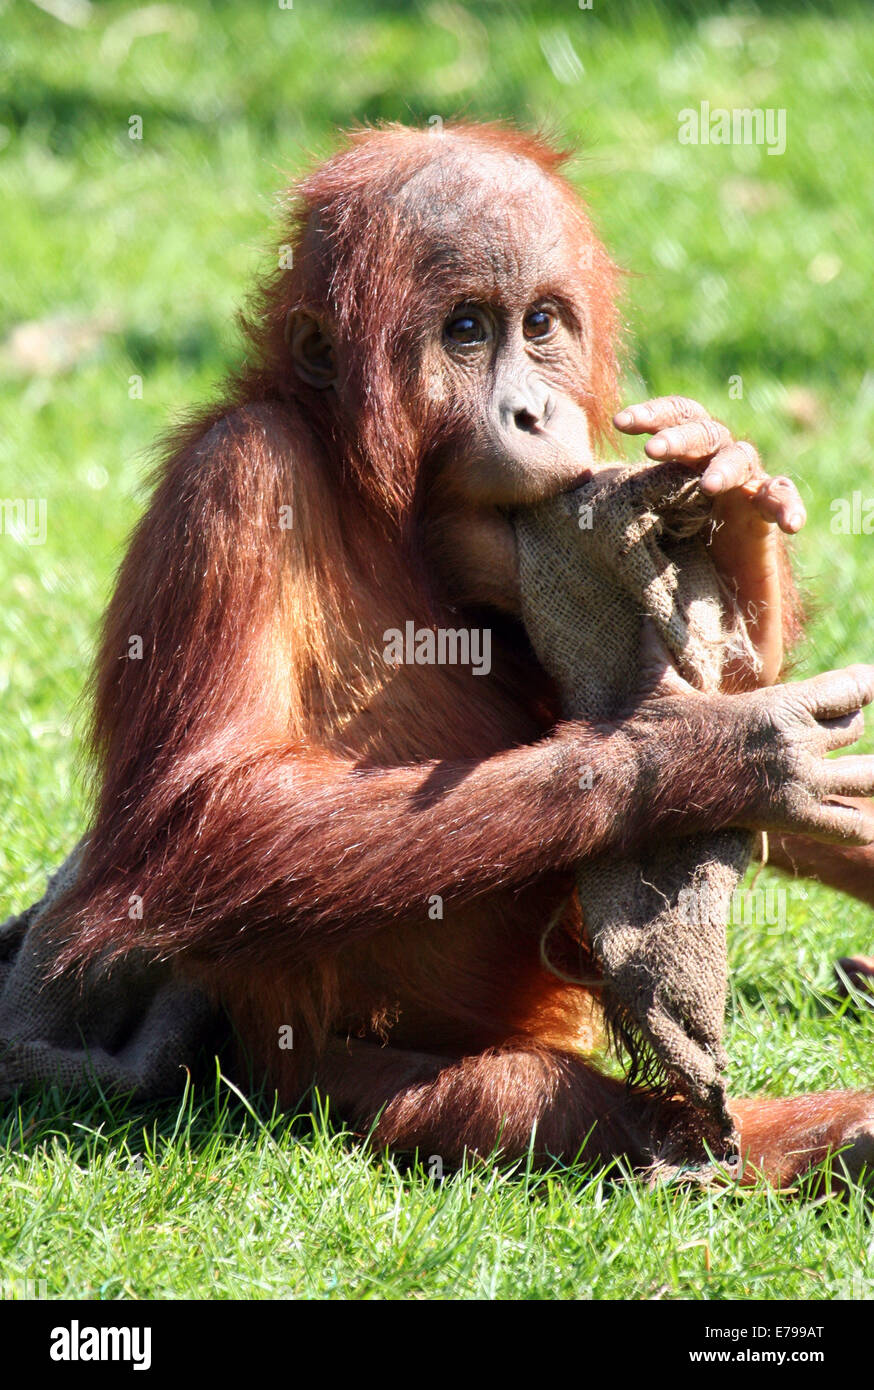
<point>370,851</point>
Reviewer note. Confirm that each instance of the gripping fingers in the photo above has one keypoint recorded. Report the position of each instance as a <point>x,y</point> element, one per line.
<point>735,464</point>
<point>840,733</point>
<point>778,500</point>
<point>683,430</point>
<point>848,777</point>
<point>658,414</point>
<point>689,443</point>
<point>831,820</point>
<point>837,693</point>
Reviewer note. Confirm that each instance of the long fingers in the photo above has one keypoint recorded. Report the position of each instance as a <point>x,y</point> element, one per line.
<point>691,443</point>
<point>658,414</point>
<point>836,693</point>
<point>848,777</point>
<point>841,732</point>
<point>778,500</point>
<point>735,464</point>
<point>681,428</point>
<point>832,821</point>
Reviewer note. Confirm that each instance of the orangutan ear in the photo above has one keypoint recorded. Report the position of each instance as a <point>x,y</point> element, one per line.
<point>312,349</point>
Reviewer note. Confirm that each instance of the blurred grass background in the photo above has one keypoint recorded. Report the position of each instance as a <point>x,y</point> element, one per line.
<point>127,258</point>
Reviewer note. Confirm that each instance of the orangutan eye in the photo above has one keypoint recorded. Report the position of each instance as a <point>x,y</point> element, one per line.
<point>539,323</point>
<point>465,328</point>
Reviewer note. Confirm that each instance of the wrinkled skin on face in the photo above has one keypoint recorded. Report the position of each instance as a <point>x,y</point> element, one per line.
<point>507,358</point>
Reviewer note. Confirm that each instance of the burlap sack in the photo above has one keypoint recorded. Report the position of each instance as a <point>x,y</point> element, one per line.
<point>132,1028</point>
<point>593,564</point>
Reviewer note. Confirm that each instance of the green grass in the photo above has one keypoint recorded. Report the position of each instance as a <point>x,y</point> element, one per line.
<point>210,1202</point>
<point>744,265</point>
